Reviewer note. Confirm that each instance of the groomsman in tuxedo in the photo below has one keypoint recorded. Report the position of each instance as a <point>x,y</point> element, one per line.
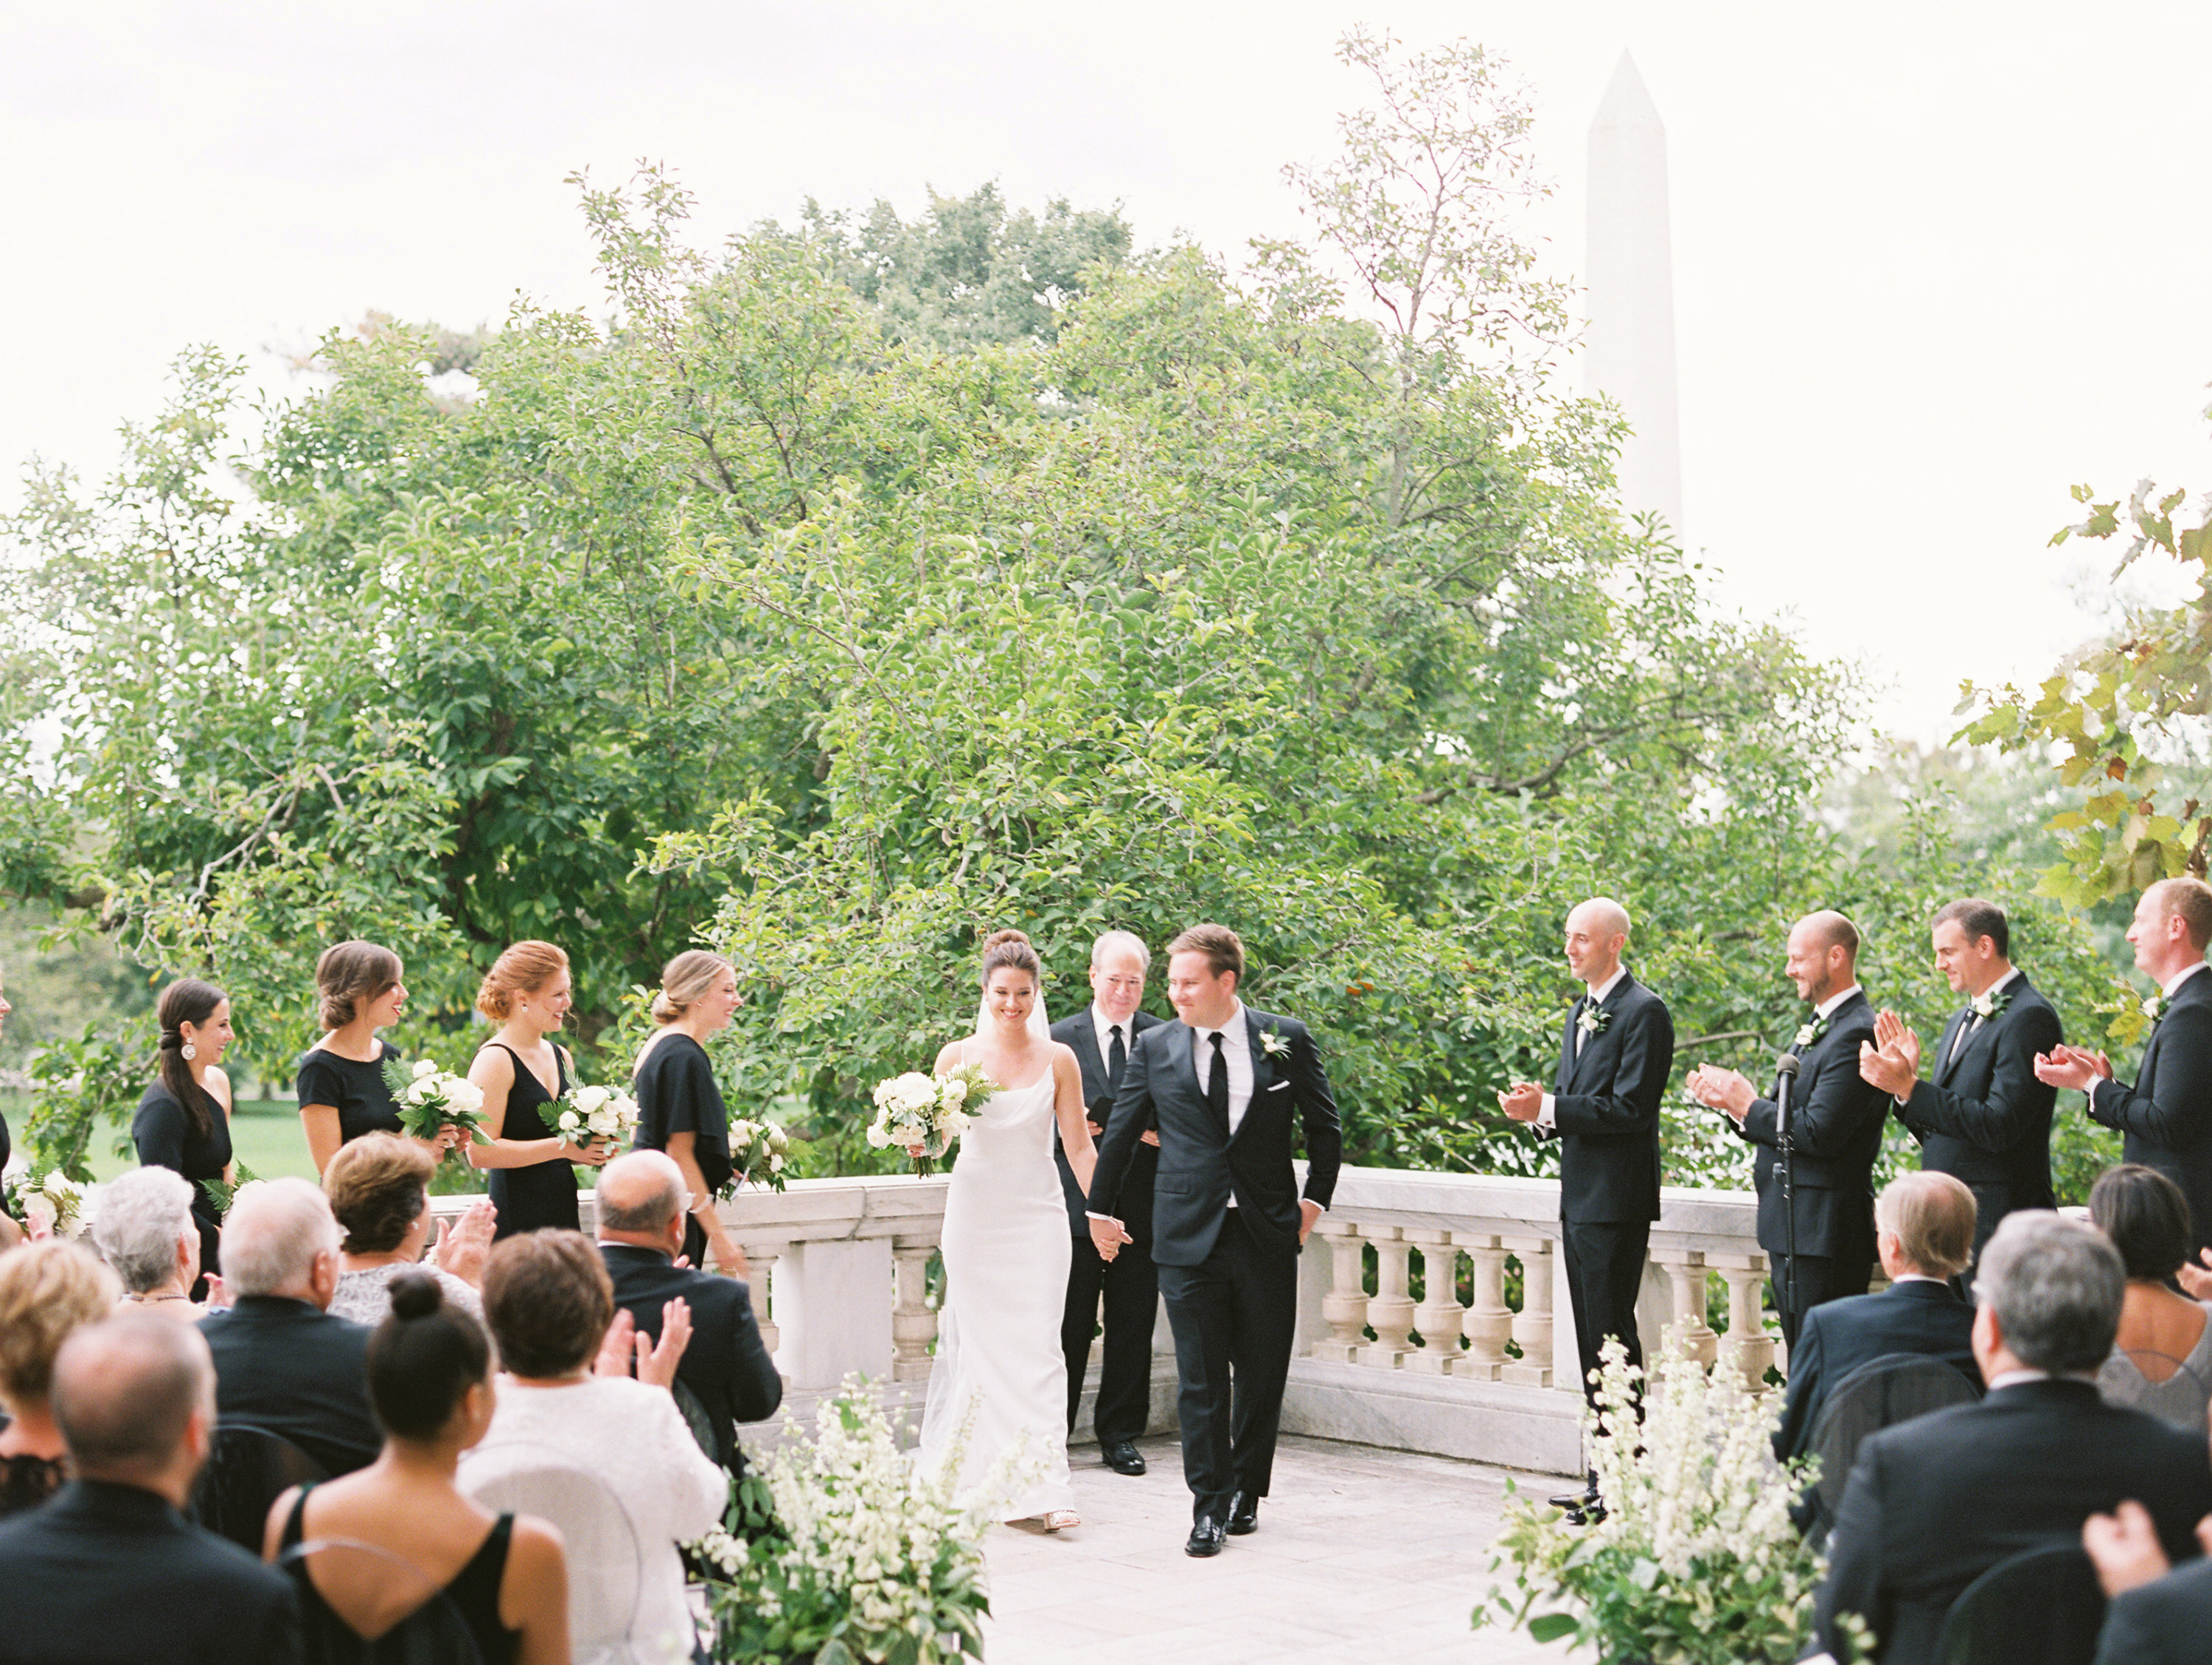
<point>1615,1055</point>
<point>1103,1036</point>
<point>1835,1128</point>
<point>2168,1113</point>
<point>1984,1118</point>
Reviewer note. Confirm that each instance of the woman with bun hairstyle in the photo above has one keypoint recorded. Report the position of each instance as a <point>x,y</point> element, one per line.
<point>521,1071</point>
<point>680,1110</point>
<point>342,1089</point>
<point>430,1385</point>
<point>183,1121</point>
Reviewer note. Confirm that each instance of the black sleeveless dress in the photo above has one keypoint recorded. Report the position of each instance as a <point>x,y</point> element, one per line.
<point>544,1193</point>
<point>474,1592</point>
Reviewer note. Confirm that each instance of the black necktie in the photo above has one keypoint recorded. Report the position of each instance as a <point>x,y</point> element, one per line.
<point>1117,1055</point>
<point>1216,1082</point>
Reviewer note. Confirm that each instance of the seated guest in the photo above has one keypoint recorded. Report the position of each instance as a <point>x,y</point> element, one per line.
<point>282,1362</point>
<point>378,1186</point>
<point>641,1225</point>
<point>551,1306</point>
<point>2158,1616</point>
<point>148,1235</point>
<point>110,1571</point>
<point>48,1290</point>
<point>2162,1358</point>
<point>430,1382</point>
<point>1935,1503</point>
<point>1924,1232</point>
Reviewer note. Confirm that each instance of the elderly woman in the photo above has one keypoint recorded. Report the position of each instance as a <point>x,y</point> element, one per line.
<point>2162,1358</point>
<point>146,1235</point>
<point>47,1289</point>
<point>379,1189</point>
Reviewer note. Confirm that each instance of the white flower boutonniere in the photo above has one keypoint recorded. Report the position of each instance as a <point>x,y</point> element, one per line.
<point>1593,1019</point>
<point>1273,1043</point>
<point>1808,1033</point>
<point>2154,1008</point>
<point>1988,1003</point>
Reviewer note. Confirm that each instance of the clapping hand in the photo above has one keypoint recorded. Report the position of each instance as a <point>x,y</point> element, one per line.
<point>1891,1061</point>
<point>1722,1090</point>
<point>1523,1101</point>
<point>2124,1547</point>
<point>624,1346</point>
<point>2071,1066</point>
<point>2196,1280</point>
<point>461,1248</point>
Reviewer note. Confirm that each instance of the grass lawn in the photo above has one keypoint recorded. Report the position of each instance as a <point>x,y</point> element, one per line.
<point>264,1135</point>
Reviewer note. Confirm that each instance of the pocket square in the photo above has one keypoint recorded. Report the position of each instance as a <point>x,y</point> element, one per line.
<point>1279,1086</point>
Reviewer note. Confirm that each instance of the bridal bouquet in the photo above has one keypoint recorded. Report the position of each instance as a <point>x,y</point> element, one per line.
<point>52,1202</point>
<point>430,1098</point>
<point>592,1115</point>
<point>923,1114</point>
<point>760,1145</point>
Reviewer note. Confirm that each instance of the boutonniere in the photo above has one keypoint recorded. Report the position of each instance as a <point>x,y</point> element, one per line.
<point>1593,1019</point>
<point>1988,1003</point>
<point>1273,1043</point>
<point>2154,1008</point>
<point>1808,1033</point>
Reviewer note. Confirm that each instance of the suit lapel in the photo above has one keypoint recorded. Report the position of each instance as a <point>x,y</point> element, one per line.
<point>1086,1051</point>
<point>1182,1040</point>
<point>1952,1050</point>
<point>1568,1061</point>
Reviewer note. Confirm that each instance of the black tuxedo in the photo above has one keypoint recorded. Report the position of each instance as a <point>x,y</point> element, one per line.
<point>1129,1282</point>
<point>2164,1622</point>
<point>112,1574</point>
<point>1835,1129</point>
<point>1228,1273</point>
<point>301,1373</point>
<point>1935,1503</point>
<point>726,1367</point>
<point>1983,1118</point>
<point>1918,1317</point>
<point>1605,1110</point>
<point>2167,1114</point>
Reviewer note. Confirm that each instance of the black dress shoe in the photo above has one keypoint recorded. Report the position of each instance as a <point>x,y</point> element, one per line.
<point>1123,1457</point>
<point>1243,1515</point>
<point>1205,1538</point>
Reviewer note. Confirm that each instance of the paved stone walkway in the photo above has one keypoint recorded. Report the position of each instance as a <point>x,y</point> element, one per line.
<point>1362,1556</point>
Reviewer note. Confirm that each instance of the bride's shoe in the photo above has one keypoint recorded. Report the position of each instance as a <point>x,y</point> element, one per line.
<point>1060,1519</point>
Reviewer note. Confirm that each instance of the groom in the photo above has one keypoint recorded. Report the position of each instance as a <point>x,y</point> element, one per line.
<point>1224,1083</point>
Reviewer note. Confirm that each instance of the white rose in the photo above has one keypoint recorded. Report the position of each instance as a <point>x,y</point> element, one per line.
<point>774,1163</point>
<point>39,1210</point>
<point>463,1096</point>
<point>588,1099</point>
<point>424,1066</point>
<point>955,1093</point>
<point>570,1123</point>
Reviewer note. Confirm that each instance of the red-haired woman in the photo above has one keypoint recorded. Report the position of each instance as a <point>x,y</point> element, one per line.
<point>522,1074</point>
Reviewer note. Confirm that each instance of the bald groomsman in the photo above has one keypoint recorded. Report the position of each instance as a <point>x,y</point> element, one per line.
<point>1835,1128</point>
<point>1985,1119</point>
<point>1103,1036</point>
<point>2167,1114</point>
<point>1615,1055</point>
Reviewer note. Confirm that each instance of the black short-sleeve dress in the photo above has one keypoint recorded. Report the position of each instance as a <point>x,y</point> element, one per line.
<point>357,1090</point>
<point>164,1136</point>
<point>676,1094</point>
<point>544,1193</point>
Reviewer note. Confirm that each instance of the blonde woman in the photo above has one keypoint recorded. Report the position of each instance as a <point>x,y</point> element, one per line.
<point>47,1289</point>
<point>680,1110</point>
<point>522,1072</point>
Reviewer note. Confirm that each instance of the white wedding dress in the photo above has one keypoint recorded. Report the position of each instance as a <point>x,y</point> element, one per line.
<point>999,1369</point>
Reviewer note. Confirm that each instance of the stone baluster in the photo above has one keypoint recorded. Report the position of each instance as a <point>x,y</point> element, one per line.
<point>1439,1316</point>
<point>761,1258</point>
<point>1488,1321</point>
<point>913,1325</point>
<point>1686,1294</point>
<point>1344,1306</point>
<point>1390,1312</point>
<point>1532,1325</point>
<point>1750,1347</point>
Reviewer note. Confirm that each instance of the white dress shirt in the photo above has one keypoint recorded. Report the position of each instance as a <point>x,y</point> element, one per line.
<point>1834,1000</point>
<point>1544,1116</point>
<point>1973,1025</point>
<point>1104,1027</point>
<point>2181,977</point>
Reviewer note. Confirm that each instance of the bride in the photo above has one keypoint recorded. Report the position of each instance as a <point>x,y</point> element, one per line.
<point>999,1369</point>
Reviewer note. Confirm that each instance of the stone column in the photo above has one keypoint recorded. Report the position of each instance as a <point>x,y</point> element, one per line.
<point>913,1325</point>
<point>1750,1348</point>
<point>1439,1316</point>
<point>1685,1292</point>
<point>1391,1313</point>
<point>763,1258</point>
<point>1344,1306</point>
<point>1532,1325</point>
<point>1488,1322</point>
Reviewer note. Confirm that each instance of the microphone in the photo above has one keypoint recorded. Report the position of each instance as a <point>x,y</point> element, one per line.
<point>1786,1065</point>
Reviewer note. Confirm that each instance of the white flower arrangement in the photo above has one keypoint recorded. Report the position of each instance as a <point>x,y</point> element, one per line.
<point>1988,1003</point>
<point>922,1113</point>
<point>1274,1043</point>
<point>758,1144</point>
<point>595,1115</point>
<point>2154,1008</point>
<point>430,1098</point>
<point>1593,1019</point>
<point>1808,1033</point>
<point>52,1204</point>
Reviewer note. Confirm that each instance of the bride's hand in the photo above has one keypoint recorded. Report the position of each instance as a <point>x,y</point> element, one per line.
<point>916,1152</point>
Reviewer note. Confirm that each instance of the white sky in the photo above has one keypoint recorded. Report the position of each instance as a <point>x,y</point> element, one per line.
<point>1932,262</point>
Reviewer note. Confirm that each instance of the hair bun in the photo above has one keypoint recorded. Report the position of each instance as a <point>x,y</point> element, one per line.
<point>999,937</point>
<point>415,1294</point>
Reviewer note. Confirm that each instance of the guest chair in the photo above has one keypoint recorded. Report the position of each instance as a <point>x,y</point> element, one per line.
<point>2042,1607</point>
<point>360,1604</point>
<point>247,1469</point>
<point>2158,1384</point>
<point>1880,1394</point>
<point>605,1563</point>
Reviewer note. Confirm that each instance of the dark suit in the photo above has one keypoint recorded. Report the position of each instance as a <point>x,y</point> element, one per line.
<point>1935,1503</point>
<point>1983,1118</point>
<point>301,1373</point>
<point>726,1367</point>
<point>1605,1109</point>
<point>1129,1282</point>
<point>1836,1121</point>
<point>112,1574</point>
<point>2167,1114</point>
<point>1230,1275</point>
<point>2165,1622</point>
<point>1921,1316</point>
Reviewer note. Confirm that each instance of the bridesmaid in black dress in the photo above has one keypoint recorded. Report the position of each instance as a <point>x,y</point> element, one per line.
<point>183,1121</point>
<point>11,1231</point>
<point>680,1110</point>
<point>520,1073</point>
<point>342,1090</point>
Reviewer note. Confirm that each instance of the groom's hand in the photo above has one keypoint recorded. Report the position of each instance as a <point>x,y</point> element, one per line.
<point>1309,1212</point>
<point>1108,1236</point>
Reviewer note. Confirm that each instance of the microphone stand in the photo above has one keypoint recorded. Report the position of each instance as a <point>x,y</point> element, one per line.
<point>1785,1076</point>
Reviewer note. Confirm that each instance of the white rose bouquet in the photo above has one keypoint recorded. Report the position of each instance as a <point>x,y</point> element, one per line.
<point>430,1098</point>
<point>592,1115</point>
<point>51,1203</point>
<point>923,1114</point>
<point>759,1146</point>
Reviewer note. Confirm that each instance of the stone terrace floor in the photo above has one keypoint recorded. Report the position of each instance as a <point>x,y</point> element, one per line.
<point>1362,1555</point>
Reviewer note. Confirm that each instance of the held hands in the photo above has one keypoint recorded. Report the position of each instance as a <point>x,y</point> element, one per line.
<point>1721,1090</point>
<point>2071,1067</point>
<point>2124,1547</point>
<point>1108,1236</point>
<point>594,1153</point>
<point>1523,1101</point>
